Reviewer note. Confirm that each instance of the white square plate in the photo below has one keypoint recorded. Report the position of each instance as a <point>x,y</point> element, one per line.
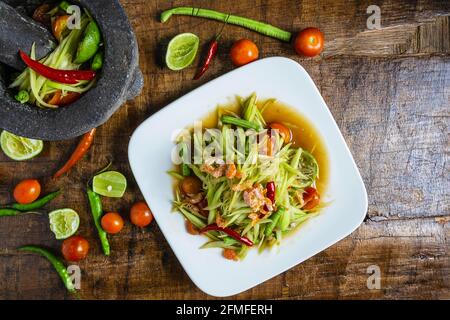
<point>150,158</point>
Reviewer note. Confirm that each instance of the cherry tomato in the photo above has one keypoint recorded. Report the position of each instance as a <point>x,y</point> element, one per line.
<point>191,185</point>
<point>27,191</point>
<point>284,131</point>
<point>309,42</point>
<point>141,215</point>
<point>230,254</point>
<point>311,197</point>
<point>243,51</point>
<point>59,25</point>
<point>75,248</point>
<point>112,222</point>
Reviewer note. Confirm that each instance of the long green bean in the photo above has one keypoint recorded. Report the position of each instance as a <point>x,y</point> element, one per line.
<point>254,25</point>
<point>240,122</point>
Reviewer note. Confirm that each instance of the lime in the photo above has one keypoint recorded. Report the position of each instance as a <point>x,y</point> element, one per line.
<point>64,222</point>
<point>20,148</point>
<point>110,184</point>
<point>90,43</point>
<point>181,51</point>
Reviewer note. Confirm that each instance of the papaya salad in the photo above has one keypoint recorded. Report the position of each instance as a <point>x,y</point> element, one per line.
<point>245,182</point>
<point>70,69</point>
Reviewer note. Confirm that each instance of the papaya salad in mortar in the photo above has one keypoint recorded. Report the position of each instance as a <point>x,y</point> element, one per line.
<point>251,178</point>
<point>61,77</point>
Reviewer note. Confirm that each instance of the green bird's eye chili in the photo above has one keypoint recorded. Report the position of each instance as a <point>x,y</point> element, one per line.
<point>275,217</point>
<point>254,25</point>
<point>8,212</point>
<point>55,261</point>
<point>34,205</point>
<point>97,211</point>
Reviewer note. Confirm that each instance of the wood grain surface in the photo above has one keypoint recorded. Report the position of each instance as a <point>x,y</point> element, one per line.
<point>389,91</point>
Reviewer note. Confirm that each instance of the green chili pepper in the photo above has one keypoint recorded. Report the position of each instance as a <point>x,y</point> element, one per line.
<point>90,43</point>
<point>275,217</point>
<point>97,61</point>
<point>97,211</point>
<point>56,262</point>
<point>22,96</point>
<point>240,122</point>
<point>7,212</point>
<point>34,205</point>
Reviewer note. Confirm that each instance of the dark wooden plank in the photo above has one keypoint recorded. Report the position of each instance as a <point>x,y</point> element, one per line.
<point>389,91</point>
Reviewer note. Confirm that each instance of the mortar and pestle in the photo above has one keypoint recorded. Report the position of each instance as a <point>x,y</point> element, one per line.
<point>119,80</point>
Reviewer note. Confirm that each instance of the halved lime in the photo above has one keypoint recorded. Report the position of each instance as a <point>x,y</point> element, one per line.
<point>20,148</point>
<point>64,222</point>
<point>110,184</point>
<point>181,51</point>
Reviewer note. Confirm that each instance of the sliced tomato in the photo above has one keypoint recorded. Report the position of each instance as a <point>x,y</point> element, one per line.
<point>284,131</point>
<point>69,97</point>
<point>59,25</point>
<point>58,99</point>
<point>311,197</point>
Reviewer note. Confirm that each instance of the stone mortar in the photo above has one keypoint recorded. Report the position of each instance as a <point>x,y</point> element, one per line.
<point>119,80</point>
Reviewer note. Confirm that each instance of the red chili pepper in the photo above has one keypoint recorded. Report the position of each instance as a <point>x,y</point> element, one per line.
<point>62,76</point>
<point>235,235</point>
<point>270,186</point>
<point>80,151</point>
<point>211,54</point>
<point>212,50</point>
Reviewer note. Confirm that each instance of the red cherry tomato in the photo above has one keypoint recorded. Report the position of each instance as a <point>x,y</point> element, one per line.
<point>75,248</point>
<point>112,222</point>
<point>27,191</point>
<point>284,131</point>
<point>311,197</point>
<point>309,42</point>
<point>141,215</point>
<point>243,51</point>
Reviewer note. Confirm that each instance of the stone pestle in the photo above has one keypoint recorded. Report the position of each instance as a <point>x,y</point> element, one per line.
<point>20,32</point>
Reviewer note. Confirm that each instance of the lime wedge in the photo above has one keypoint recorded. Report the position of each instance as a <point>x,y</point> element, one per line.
<point>64,222</point>
<point>110,184</point>
<point>20,148</point>
<point>181,51</point>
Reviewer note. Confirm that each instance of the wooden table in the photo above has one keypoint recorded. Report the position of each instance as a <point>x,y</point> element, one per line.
<point>389,91</point>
